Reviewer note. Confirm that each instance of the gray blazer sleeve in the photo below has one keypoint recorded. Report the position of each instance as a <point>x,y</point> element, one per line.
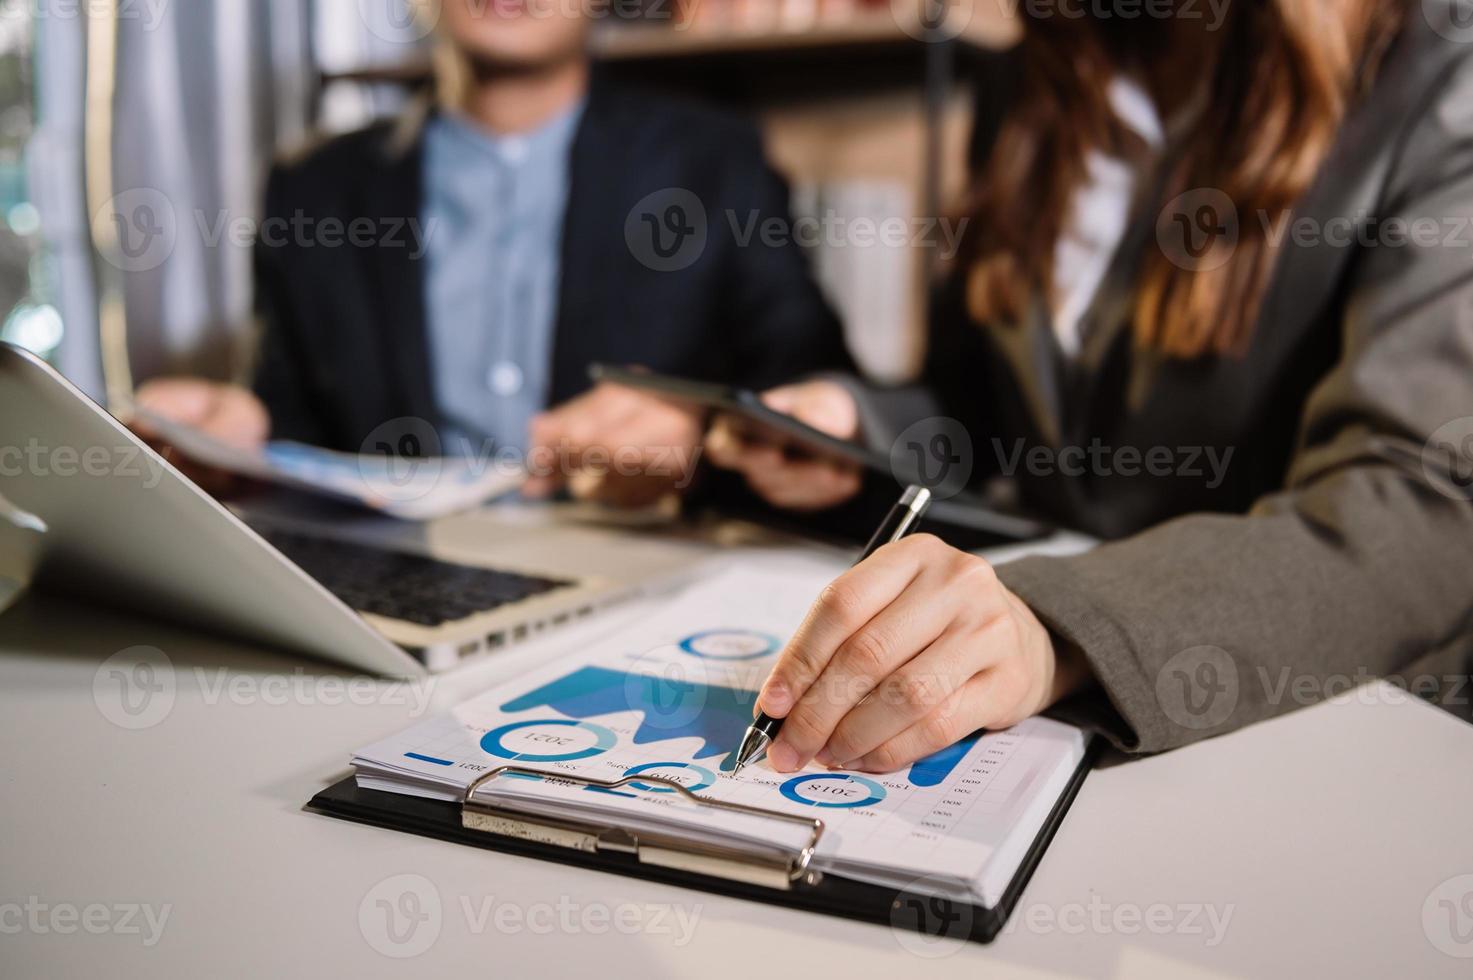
<point>1363,563</point>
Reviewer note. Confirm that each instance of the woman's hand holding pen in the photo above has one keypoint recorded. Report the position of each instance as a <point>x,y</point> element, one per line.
<point>909,651</point>
<point>906,653</point>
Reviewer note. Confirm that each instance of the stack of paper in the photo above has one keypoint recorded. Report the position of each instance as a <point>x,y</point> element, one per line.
<point>672,698</point>
<point>411,488</point>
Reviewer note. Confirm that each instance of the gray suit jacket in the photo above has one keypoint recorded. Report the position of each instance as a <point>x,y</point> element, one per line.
<point>1286,524</point>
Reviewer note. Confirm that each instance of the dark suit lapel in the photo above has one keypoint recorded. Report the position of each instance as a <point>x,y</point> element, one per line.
<point>596,177</point>
<point>1034,359</point>
<point>394,192</point>
<point>1350,181</point>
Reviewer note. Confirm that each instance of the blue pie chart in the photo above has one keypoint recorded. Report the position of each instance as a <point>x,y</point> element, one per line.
<point>730,644</point>
<point>847,790</point>
<point>705,778</point>
<point>603,740</point>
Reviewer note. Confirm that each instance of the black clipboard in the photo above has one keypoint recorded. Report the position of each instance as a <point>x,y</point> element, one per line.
<point>829,894</point>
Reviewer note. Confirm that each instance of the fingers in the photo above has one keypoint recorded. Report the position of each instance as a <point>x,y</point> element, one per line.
<point>640,490</point>
<point>614,445</point>
<point>997,696</point>
<point>962,713</point>
<point>561,436</point>
<point>546,432</point>
<point>856,635</point>
<point>187,401</point>
<point>860,665</point>
<point>228,413</point>
<point>825,405</point>
<point>724,446</point>
<point>879,664</point>
<point>238,418</point>
<point>845,605</point>
<point>949,604</point>
<point>784,399</point>
<point>910,694</point>
<point>782,481</point>
<point>801,485</point>
<point>793,484</point>
<point>184,400</point>
<point>543,475</point>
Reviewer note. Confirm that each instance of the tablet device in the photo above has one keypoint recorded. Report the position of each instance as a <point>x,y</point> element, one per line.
<point>754,420</point>
<point>963,519</point>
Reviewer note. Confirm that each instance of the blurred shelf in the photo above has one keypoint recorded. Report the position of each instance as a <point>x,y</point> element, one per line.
<point>878,35</point>
<point>407,75</point>
<point>868,28</point>
<point>873,49</point>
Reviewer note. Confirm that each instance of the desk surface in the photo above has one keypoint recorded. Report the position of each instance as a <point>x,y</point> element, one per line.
<point>1326,843</point>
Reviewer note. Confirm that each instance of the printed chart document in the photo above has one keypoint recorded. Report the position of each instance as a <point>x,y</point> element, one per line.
<point>415,489</point>
<point>672,697</point>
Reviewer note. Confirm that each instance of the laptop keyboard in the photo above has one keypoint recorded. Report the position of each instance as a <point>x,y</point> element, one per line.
<point>401,585</point>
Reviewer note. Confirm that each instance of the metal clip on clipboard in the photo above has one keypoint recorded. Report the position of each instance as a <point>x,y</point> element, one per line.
<point>661,850</point>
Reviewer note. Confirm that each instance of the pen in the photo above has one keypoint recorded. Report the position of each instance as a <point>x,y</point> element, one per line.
<point>900,521</point>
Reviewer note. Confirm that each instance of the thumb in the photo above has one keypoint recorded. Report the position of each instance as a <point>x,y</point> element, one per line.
<point>783,400</point>
<point>542,429</point>
<point>182,400</point>
<point>543,434</point>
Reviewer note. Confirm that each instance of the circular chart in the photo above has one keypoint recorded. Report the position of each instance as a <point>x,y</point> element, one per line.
<point>548,740</point>
<point>693,777</point>
<point>833,789</point>
<point>730,644</point>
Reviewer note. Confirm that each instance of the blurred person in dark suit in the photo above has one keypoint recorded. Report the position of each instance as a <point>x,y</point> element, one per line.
<point>534,218</point>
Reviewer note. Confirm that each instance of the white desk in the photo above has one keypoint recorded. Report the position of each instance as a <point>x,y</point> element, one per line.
<point>1319,836</point>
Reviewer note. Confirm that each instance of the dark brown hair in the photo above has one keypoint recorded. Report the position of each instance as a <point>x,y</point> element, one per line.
<point>1283,77</point>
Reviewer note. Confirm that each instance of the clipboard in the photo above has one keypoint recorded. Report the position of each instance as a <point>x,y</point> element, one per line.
<point>791,882</point>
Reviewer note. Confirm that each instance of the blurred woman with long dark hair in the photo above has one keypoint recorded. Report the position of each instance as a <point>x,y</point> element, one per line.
<point>1215,305</point>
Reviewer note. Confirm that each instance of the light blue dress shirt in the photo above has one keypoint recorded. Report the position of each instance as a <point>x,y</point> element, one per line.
<point>495,207</point>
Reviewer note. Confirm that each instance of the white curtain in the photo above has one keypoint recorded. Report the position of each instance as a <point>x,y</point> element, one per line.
<point>54,179</point>
<point>206,93</point>
<point>205,99</point>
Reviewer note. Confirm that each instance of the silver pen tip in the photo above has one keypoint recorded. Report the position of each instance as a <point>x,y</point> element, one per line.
<point>753,743</point>
<point>915,497</point>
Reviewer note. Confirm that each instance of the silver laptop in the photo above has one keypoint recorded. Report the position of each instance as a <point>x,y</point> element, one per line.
<point>87,507</point>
